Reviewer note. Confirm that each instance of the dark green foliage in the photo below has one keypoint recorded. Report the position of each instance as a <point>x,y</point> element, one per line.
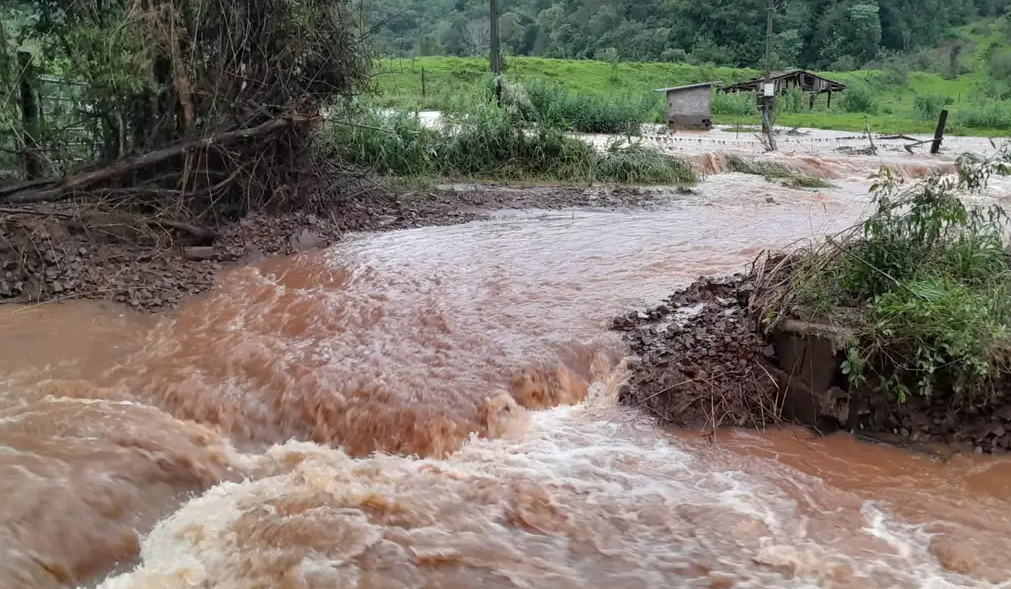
<point>987,115</point>
<point>809,33</point>
<point>743,104</point>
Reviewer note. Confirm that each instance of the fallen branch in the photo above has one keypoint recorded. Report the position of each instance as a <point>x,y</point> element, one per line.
<point>203,235</point>
<point>909,146</point>
<point>14,188</point>
<point>86,179</point>
<point>9,211</point>
<point>900,136</point>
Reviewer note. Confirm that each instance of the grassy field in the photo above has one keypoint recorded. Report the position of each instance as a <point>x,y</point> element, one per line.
<point>894,108</point>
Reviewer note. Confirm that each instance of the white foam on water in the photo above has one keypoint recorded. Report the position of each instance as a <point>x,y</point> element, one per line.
<point>588,498</point>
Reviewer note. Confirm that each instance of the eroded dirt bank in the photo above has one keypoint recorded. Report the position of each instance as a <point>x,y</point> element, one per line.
<point>701,364</point>
<point>66,251</point>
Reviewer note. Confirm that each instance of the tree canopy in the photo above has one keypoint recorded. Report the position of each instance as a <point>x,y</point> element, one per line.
<point>824,34</point>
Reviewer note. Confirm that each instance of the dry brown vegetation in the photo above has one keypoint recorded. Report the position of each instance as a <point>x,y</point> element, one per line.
<point>199,109</point>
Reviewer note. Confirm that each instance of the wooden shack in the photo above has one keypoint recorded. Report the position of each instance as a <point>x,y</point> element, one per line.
<point>807,82</point>
<point>689,107</point>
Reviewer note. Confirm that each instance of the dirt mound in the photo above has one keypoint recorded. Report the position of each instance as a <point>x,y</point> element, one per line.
<point>698,363</point>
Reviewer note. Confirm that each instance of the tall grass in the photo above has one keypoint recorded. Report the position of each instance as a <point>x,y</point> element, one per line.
<point>773,172</point>
<point>494,143</point>
<point>552,105</point>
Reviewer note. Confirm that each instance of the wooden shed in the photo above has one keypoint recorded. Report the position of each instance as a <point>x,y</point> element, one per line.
<point>807,82</point>
<point>689,107</point>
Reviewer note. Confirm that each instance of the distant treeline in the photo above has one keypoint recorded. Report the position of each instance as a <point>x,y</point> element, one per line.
<point>820,34</point>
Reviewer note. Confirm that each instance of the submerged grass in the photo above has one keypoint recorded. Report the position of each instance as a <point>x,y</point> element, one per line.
<point>494,143</point>
<point>774,172</point>
<point>925,282</point>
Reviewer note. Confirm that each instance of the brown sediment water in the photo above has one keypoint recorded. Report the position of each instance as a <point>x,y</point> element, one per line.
<point>233,444</point>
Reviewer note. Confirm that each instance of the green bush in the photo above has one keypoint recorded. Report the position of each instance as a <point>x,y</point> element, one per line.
<point>999,66</point>
<point>859,98</point>
<point>791,101</point>
<point>550,105</point>
<point>927,107</point>
<point>993,115</point>
<point>988,89</point>
<point>925,282</point>
<point>741,104</point>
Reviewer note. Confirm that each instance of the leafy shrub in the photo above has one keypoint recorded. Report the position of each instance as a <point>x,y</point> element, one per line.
<point>999,65</point>
<point>674,55</point>
<point>925,282</point>
<point>791,101</point>
<point>993,115</point>
<point>928,107</point>
<point>859,98</point>
<point>553,106</point>
<point>742,104</point>
<point>845,63</point>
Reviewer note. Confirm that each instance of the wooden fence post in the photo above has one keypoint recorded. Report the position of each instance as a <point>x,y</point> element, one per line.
<point>29,116</point>
<point>942,121</point>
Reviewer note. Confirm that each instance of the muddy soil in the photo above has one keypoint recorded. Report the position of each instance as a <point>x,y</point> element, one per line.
<point>67,251</point>
<point>699,363</point>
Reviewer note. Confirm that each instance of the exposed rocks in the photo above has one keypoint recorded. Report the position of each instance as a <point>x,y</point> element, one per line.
<point>699,363</point>
<point>198,253</point>
<point>307,240</point>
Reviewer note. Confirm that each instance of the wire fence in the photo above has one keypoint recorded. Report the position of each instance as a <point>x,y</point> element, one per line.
<point>65,136</point>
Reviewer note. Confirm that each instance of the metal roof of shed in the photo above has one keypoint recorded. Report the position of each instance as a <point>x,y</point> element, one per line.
<point>688,87</point>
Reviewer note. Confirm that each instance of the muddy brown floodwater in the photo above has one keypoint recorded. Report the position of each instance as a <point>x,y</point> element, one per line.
<point>233,444</point>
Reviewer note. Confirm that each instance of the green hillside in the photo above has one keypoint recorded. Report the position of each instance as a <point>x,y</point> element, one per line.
<point>896,105</point>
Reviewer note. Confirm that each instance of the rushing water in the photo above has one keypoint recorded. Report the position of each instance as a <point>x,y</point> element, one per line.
<point>482,349</point>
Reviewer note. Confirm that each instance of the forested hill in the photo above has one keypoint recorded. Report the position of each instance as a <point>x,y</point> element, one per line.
<point>823,34</point>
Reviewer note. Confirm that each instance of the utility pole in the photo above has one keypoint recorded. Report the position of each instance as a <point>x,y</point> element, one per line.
<point>496,55</point>
<point>768,94</point>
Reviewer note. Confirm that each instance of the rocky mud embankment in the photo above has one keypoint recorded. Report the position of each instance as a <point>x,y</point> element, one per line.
<point>697,362</point>
<point>700,363</point>
<point>66,251</point>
